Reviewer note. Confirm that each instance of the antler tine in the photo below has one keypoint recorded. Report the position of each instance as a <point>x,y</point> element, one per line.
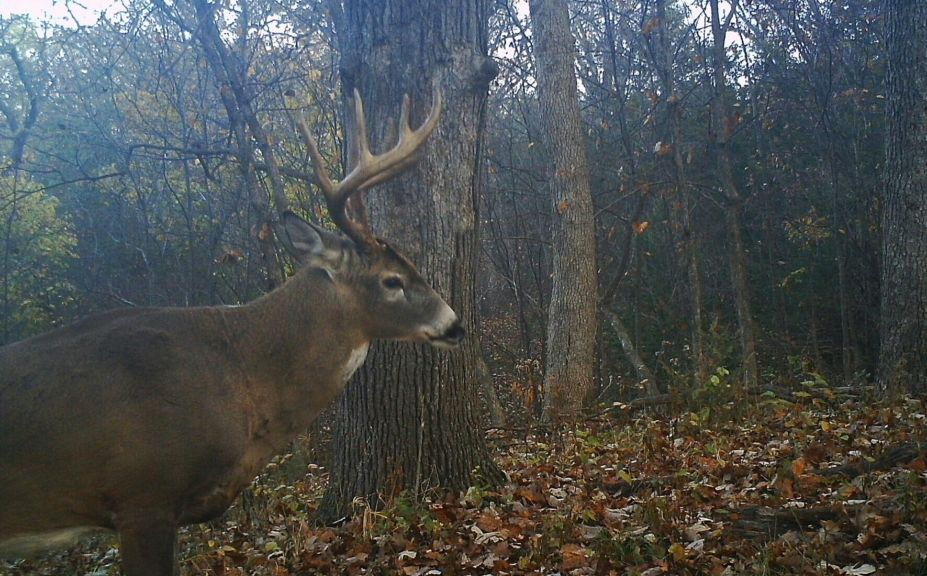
<point>369,168</point>
<point>321,174</point>
<point>360,124</point>
<point>334,198</point>
<point>373,169</point>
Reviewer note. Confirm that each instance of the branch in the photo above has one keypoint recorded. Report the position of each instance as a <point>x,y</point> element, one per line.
<point>21,131</point>
<point>891,457</point>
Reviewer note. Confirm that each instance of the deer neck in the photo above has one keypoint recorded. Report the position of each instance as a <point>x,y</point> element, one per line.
<point>298,346</point>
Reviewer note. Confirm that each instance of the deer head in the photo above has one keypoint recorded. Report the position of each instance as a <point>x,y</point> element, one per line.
<point>397,302</point>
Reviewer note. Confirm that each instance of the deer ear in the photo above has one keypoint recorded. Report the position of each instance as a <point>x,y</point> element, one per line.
<point>304,241</point>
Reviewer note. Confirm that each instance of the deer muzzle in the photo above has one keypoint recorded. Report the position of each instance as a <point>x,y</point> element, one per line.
<point>451,337</point>
<point>447,331</point>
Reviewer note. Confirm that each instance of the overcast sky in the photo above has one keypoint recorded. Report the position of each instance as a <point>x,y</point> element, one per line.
<point>86,11</point>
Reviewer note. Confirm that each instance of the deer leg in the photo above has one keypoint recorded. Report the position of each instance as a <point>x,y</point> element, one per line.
<point>148,543</point>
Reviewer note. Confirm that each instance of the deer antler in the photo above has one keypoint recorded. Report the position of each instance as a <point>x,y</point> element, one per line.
<point>369,168</point>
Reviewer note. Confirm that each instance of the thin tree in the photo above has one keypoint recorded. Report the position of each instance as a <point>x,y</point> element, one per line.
<point>723,125</point>
<point>680,202</point>
<point>571,323</point>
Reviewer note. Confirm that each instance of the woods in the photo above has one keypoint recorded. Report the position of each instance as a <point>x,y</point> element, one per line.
<point>669,227</point>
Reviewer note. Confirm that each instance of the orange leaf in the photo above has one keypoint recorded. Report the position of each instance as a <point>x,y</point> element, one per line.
<point>574,556</point>
<point>531,496</point>
<point>651,25</point>
<point>798,466</point>
<point>787,488</point>
<point>489,521</point>
<point>563,207</point>
<point>641,227</point>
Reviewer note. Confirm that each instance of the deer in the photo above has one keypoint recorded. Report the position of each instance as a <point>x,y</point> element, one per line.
<point>141,420</point>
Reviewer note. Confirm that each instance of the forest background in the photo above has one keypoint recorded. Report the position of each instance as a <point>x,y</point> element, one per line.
<point>734,157</point>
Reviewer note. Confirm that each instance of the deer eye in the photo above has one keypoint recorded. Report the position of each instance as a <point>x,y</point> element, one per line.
<point>393,282</point>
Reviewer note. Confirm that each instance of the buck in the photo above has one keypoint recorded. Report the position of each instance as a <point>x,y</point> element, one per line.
<point>143,420</point>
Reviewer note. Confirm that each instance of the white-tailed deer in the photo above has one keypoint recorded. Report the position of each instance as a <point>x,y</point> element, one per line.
<point>146,419</point>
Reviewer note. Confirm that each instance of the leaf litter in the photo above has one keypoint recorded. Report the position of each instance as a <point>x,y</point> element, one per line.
<point>819,485</point>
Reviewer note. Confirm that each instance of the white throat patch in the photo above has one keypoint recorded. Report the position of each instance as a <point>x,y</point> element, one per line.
<point>355,359</point>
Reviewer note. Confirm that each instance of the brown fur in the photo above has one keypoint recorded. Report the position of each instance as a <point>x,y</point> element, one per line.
<point>143,420</point>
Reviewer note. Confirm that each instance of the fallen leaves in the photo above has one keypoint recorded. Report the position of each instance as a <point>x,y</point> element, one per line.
<point>819,485</point>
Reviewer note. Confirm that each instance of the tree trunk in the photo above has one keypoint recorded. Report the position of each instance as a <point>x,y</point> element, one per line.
<point>408,420</point>
<point>723,126</point>
<point>846,339</point>
<point>680,203</point>
<point>490,396</point>
<point>571,325</point>
<point>745,326</point>
<point>903,360</point>
<point>645,378</point>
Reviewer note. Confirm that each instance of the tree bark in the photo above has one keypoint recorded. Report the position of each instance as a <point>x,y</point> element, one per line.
<point>408,420</point>
<point>571,325</point>
<point>903,356</point>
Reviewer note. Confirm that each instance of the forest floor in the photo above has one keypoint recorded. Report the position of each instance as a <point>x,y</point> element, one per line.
<point>819,483</point>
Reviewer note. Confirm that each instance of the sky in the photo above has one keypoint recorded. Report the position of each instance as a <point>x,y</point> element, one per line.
<point>86,11</point>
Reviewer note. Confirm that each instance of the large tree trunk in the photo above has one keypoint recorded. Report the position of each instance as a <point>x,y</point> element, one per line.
<point>571,325</point>
<point>903,360</point>
<point>408,419</point>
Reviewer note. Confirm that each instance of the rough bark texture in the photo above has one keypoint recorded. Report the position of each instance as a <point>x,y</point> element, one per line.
<point>903,360</point>
<point>408,420</point>
<point>571,325</point>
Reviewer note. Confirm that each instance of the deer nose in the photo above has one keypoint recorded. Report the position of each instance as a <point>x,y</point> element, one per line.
<point>455,334</point>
